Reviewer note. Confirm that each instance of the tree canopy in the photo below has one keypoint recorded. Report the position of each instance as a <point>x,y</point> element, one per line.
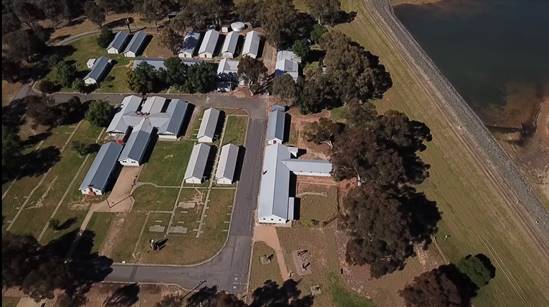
<point>105,37</point>
<point>171,40</point>
<point>66,73</point>
<point>252,71</point>
<point>279,19</point>
<point>144,79</point>
<point>94,13</point>
<point>285,88</point>
<point>100,113</point>
<point>325,11</point>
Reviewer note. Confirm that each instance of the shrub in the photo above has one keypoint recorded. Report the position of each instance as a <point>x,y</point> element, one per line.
<point>47,86</point>
<point>105,37</point>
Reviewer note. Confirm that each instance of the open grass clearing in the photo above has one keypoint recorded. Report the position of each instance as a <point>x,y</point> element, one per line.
<point>168,162</point>
<point>259,272</point>
<point>316,203</point>
<point>148,198</point>
<point>71,217</point>
<point>474,216</point>
<point>117,79</point>
<point>99,224</point>
<point>235,131</point>
<point>155,48</point>
<point>124,243</point>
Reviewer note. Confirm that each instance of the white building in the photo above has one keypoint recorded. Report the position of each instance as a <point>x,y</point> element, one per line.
<point>227,74</point>
<point>251,44</point>
<point>208,126</point>
<point>275,205</point>
<point>100,175</point>
<point>89,63</point>
<point>207,48</point>
<point>98,71</point>
<point>137,144</point>
<point>276,127</point>
<point>196,167</point>
<point>287,62</point>
<point>190,42</point>
<point>229,45</point>
<point>136,44</point>
<point>226,168</point>
<point>118,43</point>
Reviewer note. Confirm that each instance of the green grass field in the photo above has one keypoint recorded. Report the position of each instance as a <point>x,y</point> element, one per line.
<point>342,297</point>
<point>235,131</point>
<point>167,163</point>
<point>473,215</point>
<point>148,198</point>
<point>99,224</point>
<point>261,272</point>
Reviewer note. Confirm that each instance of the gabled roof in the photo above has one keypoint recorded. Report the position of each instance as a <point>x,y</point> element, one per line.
<point>120,121</point>
<point>102,167</point>
<point>275,183</point>
<point>190,42</point>
<point>177,110</point>
<point>287,62</point>
<point>153,104</point>
<point>251,43</point>
<point>209,42</point>
<point>276,125</point>
<point>136,42</point>
<point>227,66</point>
<point>209,123</point>
<point>98,68</point>
<point>137,143</point>
<point>197,161</point>
<point>118,41</point>
<point>158,63</point>
<point>229,45</point>
<point>308,166</point>
<point>227,162</point>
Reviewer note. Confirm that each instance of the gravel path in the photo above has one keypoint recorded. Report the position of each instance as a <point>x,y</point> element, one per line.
<point>468,127</point>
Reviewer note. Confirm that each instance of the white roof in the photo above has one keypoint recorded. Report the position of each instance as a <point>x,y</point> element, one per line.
<point>238,26</point>
<point>229,45</point>
<point>227,162</point>
<point>137,144</point>
<point>190,42</point>
<point>287,62</point>
<point>209,42</point>
<point>276,125</point>
<point>251,44</point>
<point>227,66</point>
<point>121,120</point>
<point>274,189</point>
<point>209,123</point>
<point>197,161</point>
<point>153,104</point>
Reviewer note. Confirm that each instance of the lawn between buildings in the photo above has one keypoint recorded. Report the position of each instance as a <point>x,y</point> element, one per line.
<point>474,217</point>
<point>163,202</point>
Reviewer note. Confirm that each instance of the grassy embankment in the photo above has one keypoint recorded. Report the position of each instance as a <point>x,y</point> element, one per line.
<point>475,219</point>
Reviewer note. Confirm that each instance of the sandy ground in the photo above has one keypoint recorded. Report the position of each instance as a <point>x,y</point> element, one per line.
<point>267,234</point>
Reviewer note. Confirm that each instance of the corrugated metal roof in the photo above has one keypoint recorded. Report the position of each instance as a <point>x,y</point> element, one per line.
<point>287,62</point>
<point>309,166</point>
<point>227,66</point>
<point>138,142</point>
<point>209,123</point>
<point>251,44</point>
<point>227,162</point>
<point>153,104</point>
<point>177,109</point>
<point>197,161</point>
<point>98,69</point>
<point>136,42</point>
<point>119,123</point>
<point>156,63</point>
<point>190,42</point>
<point>209,42</point>
<point>119,41</point>
<point>276,125</point>
<point>102,167</point>
<point>229,45</point>
<point>274,188</point>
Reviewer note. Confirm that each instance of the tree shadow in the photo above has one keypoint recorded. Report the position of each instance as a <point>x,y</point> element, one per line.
<point>287,294</point>
<point>124,296</point>
<point>425,215</point>
<point>56,225</point>
<point>40,161</point>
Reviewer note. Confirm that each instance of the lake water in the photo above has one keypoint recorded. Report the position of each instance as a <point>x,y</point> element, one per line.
<point>495,52</point>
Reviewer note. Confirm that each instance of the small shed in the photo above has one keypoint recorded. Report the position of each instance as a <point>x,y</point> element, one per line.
<point>137,145</point>
<point>136,44</point>
<point>287,62</point>
<point>89,63</point>
<point>99,176</point>
<point>98,71</point>
<point>208,126</point>
<point>276,126</point>
<point>190,42</point>
<point>238,26</point>
<point>196,167</point>
<point>207,48</point>
<point>251,44</point>
<point>118,43</point>
<point>226,168</point>
<point>229,45</point>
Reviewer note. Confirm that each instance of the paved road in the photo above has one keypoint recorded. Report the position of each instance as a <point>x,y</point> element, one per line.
<point>229,269</point>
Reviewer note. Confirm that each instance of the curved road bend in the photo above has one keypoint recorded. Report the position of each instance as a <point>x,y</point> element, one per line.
<point>496,163</point>
<point>229,269</point>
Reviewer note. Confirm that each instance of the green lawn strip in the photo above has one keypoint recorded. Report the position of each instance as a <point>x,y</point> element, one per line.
<point>195,125</point>
<point>75,196</point>
<point>99,224</point>
<point>127,238</point>
<point>293,138</point>
<point>155,219</point>
<point>473,215</point>
<point>148,198</point>
<point>8,301</point>
<point>218,215</point>
<point>117,79</point>
<point>317,207</point>
<point>167,163</point>
<point>342,297</point>
<point>261,272</point>
<point>235,131</point>
<point>65,214</point>
<point>46,197</point>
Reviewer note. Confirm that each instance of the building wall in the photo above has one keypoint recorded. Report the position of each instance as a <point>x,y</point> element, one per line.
<point>224,181</point>
<point>205,139</point>
<point>312,174</point>
<point>91,191</point>
<point>129,54</point>
<point>90,81</point>
<point>129,162</point>
<point>167,137</point>
<point>271,220</point>
<point>193,180</point>
<point>185,55</point>
<point>206,55</point>
<point>274,141</point>
<point>229,55</point>
<point>112,50</point>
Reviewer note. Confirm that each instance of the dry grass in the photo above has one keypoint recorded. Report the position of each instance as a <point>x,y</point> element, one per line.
<point>259,273</point>
<point>9,90</point>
